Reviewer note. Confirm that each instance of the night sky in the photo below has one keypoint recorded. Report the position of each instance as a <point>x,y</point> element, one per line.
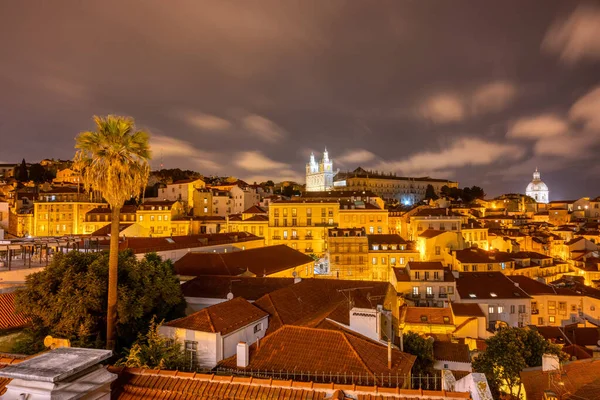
<point>477,91</point>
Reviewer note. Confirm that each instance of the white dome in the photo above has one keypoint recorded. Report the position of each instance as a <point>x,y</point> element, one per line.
<point>536,187</point>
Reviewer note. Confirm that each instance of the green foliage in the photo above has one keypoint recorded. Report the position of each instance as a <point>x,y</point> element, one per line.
<point>467,194</point>
<point>508,352</point>
<point>69,298</point>
<point>423,349</point>
<point>30,342</point>
<point>430,193</point>
<point>38,174</point>
<point>154,350</point>
<point>314,256</point>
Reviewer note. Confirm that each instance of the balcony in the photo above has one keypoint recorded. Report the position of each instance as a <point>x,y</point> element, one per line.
<point>430,296</point>
<point>443,295</point>
<point>415,295</point>
<point>535,312</point>
<point>308,237</point>
<point>276,237</point>
<point>308,250</point>
<point>326,224</point>
<point>294,237</point>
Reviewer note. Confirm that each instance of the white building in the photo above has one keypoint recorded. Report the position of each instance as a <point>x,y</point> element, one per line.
<point>538,189</point>
<point>243,198</point>
<point>319,177</point>
<point>213,333</point>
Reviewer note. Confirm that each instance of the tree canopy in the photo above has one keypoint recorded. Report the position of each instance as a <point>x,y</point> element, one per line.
<point>21,173</point>
<point>508,352</point>
<point>430,193</point>
<point>68,298</point>
<point>466,195</point>
<point>423,349</point>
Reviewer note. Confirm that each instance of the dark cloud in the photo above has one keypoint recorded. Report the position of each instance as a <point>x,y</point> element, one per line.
<point>482,92</point>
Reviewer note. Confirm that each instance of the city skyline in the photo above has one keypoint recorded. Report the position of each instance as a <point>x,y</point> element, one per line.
<point>387,88</point>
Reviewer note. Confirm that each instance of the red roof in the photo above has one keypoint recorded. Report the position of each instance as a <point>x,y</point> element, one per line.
<point>448,351</point>
<point>262,261</point>
<point>425,265</point>
<point>335,351</point>
<point>466,310</point>
<point>224,317</point>
<point>9,318</point>
<point>487,285</point>
<point>154,244</point>
<point>426,315</point>
<point>217,287</point>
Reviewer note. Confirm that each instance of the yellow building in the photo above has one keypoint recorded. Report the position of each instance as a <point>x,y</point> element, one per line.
<point>369,216</point>
<point>61,211</point>
<point>302,224</point>
<point>426,320</point>
<point>182,191</point>
<point>435,245</point>
<point>348,254</point>
<point>254,220</point>
<point>100,217</point>
<point>67,175</point>
<point>157,216</point>
<point>24,223</point>
<point>387,252</point>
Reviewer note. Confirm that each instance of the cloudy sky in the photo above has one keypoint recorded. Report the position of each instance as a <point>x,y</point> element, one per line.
<point>481,92</point>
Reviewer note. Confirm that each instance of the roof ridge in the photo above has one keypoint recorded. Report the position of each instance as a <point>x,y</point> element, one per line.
<point>212,326</point>
<point>355,352</point>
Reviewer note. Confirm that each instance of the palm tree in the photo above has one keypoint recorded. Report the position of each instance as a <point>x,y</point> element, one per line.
<point>113,160</point>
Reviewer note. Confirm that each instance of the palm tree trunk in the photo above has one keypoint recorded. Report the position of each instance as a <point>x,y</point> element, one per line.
<point>113,269</point>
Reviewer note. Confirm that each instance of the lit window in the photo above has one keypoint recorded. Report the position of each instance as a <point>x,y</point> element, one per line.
<point>491,309</point>
<point>500,309</point>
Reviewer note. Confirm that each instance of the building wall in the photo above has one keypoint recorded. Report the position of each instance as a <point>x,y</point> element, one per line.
<point>515,319</point>
<point>452,366</point>
<point>210,345</point>
<point>374,221</point>
<point>60,218</point>
<point>562,309</point>
<point>420,224</point>
<point>437,248</point>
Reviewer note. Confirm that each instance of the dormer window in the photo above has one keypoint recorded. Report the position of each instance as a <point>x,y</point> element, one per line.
<point>446,320</point>
<point>375,247</point>
<point>159,208</point>
<point>402,247</point>
<point>423,318</point>
<point>384,247</point>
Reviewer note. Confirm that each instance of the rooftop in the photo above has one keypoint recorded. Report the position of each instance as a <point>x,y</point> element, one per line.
<point>9,318</point>
<point>448,351</point>
<point>426,315</point>
<point>425,265</point>
<point>487,285</point>
<point>218,287</point>
<point>262,261</point>
<point>222,318</point>
<point>466,310</point>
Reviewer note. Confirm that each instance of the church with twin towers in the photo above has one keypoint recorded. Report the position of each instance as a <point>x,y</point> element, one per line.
<point>319,176</point>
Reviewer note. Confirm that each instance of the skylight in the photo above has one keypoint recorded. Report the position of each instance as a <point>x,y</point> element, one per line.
<point>493,294</point>
<point>472,295</point>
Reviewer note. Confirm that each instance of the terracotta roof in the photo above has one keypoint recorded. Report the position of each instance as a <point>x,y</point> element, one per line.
<point>425,265</point>
<point>385,239</point>
<point>107,210</point>
<point>426,315</point>
<point>217,287</point>
<point>148,244</point>
<point>430,212</point>
<point>137,383</point>
<point>534,287</point>
<point>312,300</point>
<point>578,351</point>
<point>401,274</point>
<point>255,210</point>
<point>262,261</point>
<point>224,317</point>
<point>105,230</point>
<point>466,310</point>
<point>448,351</point>
<point>9,318</point>
<point>529,254</point>
<point>431,233</point>
<point>476,255</point>
<point>575,380</point>
<point>293,348</point>
<point>487,285</point>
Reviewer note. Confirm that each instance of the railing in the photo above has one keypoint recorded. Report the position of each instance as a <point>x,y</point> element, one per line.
<point>307,237</point>
<point>295,238</point>
<point>429,296</point>
<point>276,237</point>
<point>443,295</point>
<point>333,224</point>
<point>308,251</point>
<point>415,295</point>
<point>535,312</point>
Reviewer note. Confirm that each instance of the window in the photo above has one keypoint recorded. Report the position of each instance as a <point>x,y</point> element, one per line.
<point>191,353</point>
<point>152,218</point>
<point>160,217</point>
<point>426,275</point>
<point>521,309</point>
<point>474,268</point>
<point>493,294</point>
<point>371,229</point>
<point>258,328</point>
<point>491,310</point>
<point>166,217</point>
<point>416,274</point>
<point>436,275</point>
<point>423,318</point>
<point>383,261</point>
<point>551,307</point>
<point>401,260</point>
<point>552,319</point>
<point>415,291</point>
<point>446,320</point>
<point>503,265</point>
<point>540,320</point>
<point>393,260</point>
<point>500,309</point>
<point>374,260</point>
<point>437,250</point>
<point>205,209</point>
<point>285,234</point>
<point>562,308</point>
<point>466,268</point>
<point>490,267</point>
<point>429,291</point>
<point>450,289</point>
<point>512,309</point>
<point>472,295</point>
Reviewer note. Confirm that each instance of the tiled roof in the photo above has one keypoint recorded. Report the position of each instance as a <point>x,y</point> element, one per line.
<point>466,310</point>
<point>487,285</point>
<point>448,351</point>
<point>534,287</point>
<point>385,239</point>
<point>578,351</point>
<point>476,255</point>
<point>9,318</point>
<point>262,261</point>
<point>255,210</point>
<point>147,244</point>
<point>430,212</point>
<point>401,274</point>
<point>105,230</point>
<point>575,380</point>
<point>425,265</point>
<point>127,209</point>
<point>311,300</point>
<point>137,383</point>
<point>529,254</point>
<point>217,287</point>
<point>431,233</point>
<point>224,317</point>
<point>426,315</point>
<point>293,348</point>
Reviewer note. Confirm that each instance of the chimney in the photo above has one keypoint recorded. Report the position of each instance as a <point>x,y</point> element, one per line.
<point>66,372</point>
<point>243,355</point>
<point>389,354</point>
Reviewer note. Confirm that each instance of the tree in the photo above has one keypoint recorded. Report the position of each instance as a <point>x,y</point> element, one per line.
<point>37,173</point>
<point>430,193</point>
<point>69,297</point>
<point>114,160</point>
<point>477,193</point>
<point>21,174</point>
<point>423,349</point>
<point>508,352</point>
<point>155,351</point>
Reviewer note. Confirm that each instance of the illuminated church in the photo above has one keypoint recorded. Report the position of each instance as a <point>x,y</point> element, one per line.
<point>538,189</point>
<point>319,177</point>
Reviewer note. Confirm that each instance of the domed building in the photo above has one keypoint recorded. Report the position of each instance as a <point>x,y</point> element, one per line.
<point>538,189</point>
